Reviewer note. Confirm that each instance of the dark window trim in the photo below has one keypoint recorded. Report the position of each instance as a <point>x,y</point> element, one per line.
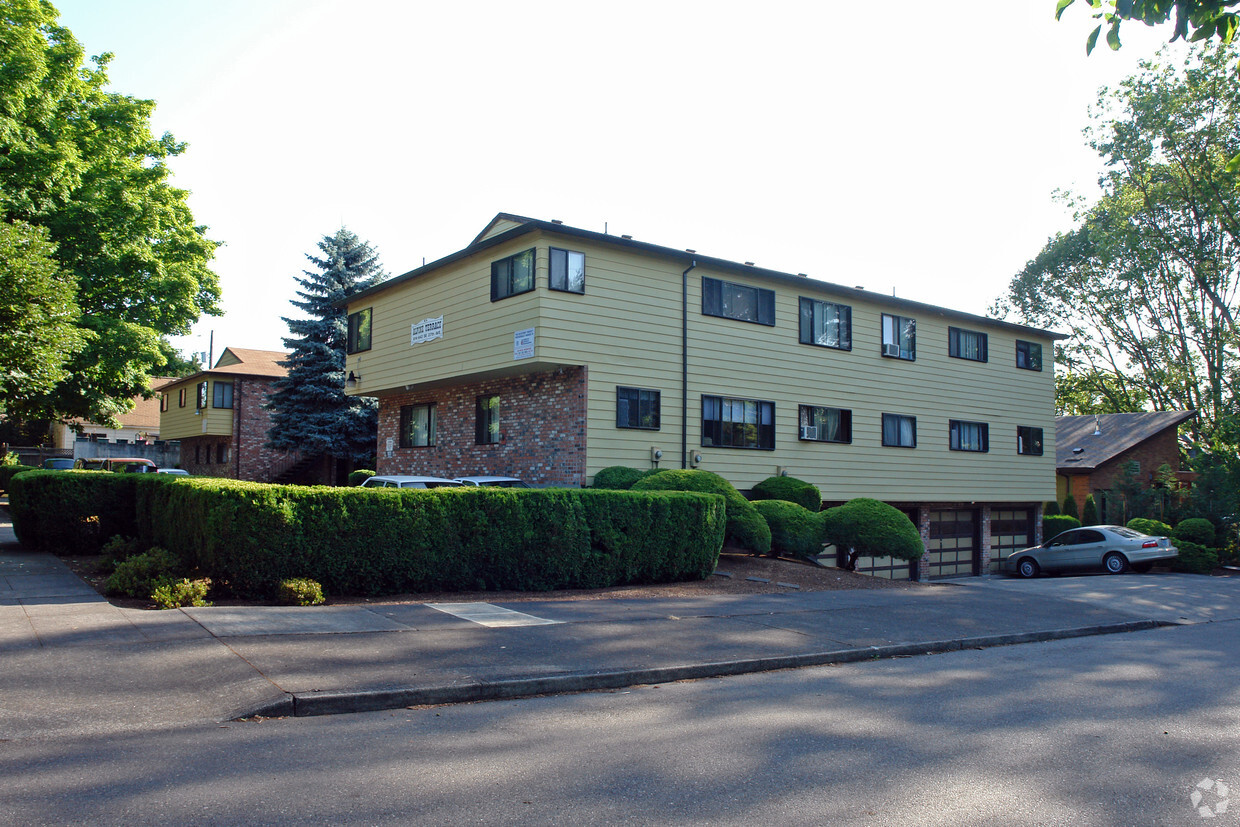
<point>1035,436</point>
<point>181,398</point>
<point>845,425</point>
<point>806,333</point>
<point>500,295</point>
<point>635,403</point>
<point>767,431</point>
<point>953,428</point>
<point>163,402</point>
<point>200,395</point>
<point>484,434</point>
<point>552,276</point>
<point>1028,353</point>
<point>403,426</point>
<point>883,433</point>
<point>353,343</point>
<point>953,344</point>
<point>899,354</point>
<point>712,301</point>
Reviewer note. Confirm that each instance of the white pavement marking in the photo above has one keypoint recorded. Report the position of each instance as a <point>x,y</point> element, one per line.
<point>485,614</point>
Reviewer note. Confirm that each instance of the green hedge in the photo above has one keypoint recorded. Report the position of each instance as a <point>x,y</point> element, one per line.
<point>7,472</point>
<point>247,537</point>
<point>619,477</point>
<point>1057,523</point>
<point>789,489</point>
<point>1196,530</point>
<point>1154,528</point>
<point>795,530</point>
<point>74,512</point>
<point>746,528</point>
<point>1194,558</point>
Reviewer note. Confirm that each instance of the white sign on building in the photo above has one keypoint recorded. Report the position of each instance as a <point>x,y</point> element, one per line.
<point>426,330</point>
<point>523,344</point>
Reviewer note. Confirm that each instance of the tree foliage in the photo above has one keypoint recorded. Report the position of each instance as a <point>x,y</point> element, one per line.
<point>1147,281</point>
<point>310,411</point>
<point>1207,18</point>
<point>81,163</point>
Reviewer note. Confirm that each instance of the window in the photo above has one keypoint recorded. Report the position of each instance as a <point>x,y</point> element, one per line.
<point>359,331</point>
<point>221,453</point>
<point>1029,440</point>
<point>826,324</point>
<point>486,425</point>
<point>824,424</point>
<point>181,398</point>
<point>1028,355</point>
<point>966,344</point>
<point>738,301</point>
<point>969,436</point>
<point>899,431</point>
<point>202,395</point>
<point>738,423</point>
<point>637,408</point>
<point>417,425</point>
<point>512,275</point>
<point>568,271</point>
<point>223,395</point>
<point>899,337</point>
<point>163,402</point>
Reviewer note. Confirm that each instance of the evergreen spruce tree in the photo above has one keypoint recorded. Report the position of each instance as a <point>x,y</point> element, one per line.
<point>309,409</point>
<point>1069,507</point>
<point>1089,515</point>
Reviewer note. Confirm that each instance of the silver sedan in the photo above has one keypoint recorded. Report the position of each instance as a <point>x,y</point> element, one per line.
<point>1112,548</point>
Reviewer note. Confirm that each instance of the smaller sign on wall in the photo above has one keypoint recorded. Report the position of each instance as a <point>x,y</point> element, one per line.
<point>426,330</point>
<point>388,445</point>
<point>523,344</point>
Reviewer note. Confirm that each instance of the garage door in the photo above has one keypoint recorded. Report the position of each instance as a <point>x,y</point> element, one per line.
<point>1011,529</point>
<point>954,549</point>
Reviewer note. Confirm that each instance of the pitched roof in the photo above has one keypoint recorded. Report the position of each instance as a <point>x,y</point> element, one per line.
<point>1077,449</point>
<point>242,362</point>
<point>507,226</point>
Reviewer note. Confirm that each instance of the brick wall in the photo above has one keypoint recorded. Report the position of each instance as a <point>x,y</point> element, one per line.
<point>1161,448</point>
<point>542,426</point>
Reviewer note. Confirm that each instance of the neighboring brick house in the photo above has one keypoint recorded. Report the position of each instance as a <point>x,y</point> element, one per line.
<point>218,416</point>
<point>1092,452</point>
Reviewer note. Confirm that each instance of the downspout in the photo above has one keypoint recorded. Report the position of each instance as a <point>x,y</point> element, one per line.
<point>684,365</point>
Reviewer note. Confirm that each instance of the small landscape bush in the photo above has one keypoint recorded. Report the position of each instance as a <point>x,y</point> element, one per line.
<point>173,594</point>
<point>795,531</point>
<point>1049,508</point>
<point>1069,508</point>
<point>300,591</point>
<point>118,550</point>
<point>1154,528</point>
<point>746,527</point>
<point>619,477</point>
<point>1089,514</point>
<point>140,575</point>
<point>790,489</point>
<point>1197,530</point>
<point>360,476</point>
<point>1057,523</point>
<point>870,528</point>
<point>1194,558</point>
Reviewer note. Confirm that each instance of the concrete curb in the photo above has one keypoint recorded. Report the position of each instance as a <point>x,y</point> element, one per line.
<point>304,704</point>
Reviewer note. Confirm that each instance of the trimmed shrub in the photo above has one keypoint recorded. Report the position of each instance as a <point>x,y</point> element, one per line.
<point>619,477</point>
<point>173,594</point>
<point>143,573</point>
<point>1058,523</point>
<point>746,528</point>
<point>791,490</point>
<point>870,528</point>
<point>360,476</point>
<point>1155,528</point>
<point>795,530</point>
<point>7,472</point>
<point>118,550</point>
<point>1089,515</point>
<point>1196,530</point>
<point>1069,508</point>
<point>300,591</point>
<point>1050,508</point>
<point>1194,558</point>
<point>74,512</point>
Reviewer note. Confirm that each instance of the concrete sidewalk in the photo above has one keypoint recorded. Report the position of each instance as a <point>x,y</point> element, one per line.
<point>73,663</point>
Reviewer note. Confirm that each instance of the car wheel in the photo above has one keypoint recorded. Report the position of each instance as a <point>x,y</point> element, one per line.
<point>1028,568</point>
<point>1114,563</point>
<point>1142,568</point>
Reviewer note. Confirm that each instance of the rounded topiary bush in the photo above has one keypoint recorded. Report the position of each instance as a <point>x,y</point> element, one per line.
<point>1049,508</point>
<point>1154,528</point>
<point>141,574</point>
<point>791,490</point>
<point>619,477</point>
<point>795,531</point>
<point>870,528</point>
<point>1194,558</point>
<point>1197,530</point>
<point>1057,523</point>
<point>360,476</point>
<point>746,527</point>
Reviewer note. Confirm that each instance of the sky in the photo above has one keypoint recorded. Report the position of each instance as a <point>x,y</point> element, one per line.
<point>909,147</point>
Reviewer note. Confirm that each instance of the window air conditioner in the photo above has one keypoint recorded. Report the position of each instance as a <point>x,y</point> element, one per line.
<point>891,350</point>
<point>809,432</point>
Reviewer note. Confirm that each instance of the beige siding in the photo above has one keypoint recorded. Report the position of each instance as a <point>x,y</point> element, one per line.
<point>182,423</point>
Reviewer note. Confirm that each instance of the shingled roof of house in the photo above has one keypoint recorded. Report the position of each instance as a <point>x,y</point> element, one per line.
<point>1078,448</point>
